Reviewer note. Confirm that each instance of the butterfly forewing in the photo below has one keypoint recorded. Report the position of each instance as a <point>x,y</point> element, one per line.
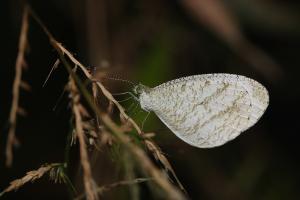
<point>208,110</point>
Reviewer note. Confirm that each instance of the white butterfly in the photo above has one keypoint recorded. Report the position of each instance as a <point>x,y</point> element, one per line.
<point>206,110</point>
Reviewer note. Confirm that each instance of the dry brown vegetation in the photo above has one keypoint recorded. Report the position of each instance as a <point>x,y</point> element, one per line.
<point>18,83</point>
<point>32,176</point>
<point>92,146</point>
<point>105,127</point>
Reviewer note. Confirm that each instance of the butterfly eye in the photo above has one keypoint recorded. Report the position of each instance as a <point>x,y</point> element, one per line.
<point>135,88</point>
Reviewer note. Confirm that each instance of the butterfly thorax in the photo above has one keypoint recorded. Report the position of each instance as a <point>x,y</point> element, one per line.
<point>143,95</point>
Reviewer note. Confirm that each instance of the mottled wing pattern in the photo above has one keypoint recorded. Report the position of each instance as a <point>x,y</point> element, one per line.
<point>211,109</point>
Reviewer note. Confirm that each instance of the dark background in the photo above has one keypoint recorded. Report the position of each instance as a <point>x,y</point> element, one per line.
<point>153,42</point>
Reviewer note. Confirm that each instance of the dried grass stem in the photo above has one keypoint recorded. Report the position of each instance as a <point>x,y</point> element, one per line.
<point>17,84</point>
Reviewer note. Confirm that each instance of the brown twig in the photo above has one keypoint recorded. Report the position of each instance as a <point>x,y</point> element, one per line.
<point>143,159</point>
<point>87,174</point>
<point>135,150</point>
<point>29,177</point>
<point>146,164</point>
<point>55,65</point>
<point>20,62</point>
<point>151,146</point>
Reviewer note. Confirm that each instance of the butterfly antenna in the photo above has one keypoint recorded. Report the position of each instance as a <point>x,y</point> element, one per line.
<point>125,99</point>
<point>122,80</point>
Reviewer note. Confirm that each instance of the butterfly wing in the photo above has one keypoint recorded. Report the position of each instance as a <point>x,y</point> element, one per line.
<point>211,109</point>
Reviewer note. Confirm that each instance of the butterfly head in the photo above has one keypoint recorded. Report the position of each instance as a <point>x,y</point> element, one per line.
<point>140,89</point>
<point>142,93</point>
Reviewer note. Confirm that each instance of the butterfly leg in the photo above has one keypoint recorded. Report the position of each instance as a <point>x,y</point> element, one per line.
<point>143,123</point>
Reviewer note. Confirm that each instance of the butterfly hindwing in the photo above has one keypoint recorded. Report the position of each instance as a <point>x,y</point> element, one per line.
<point>208,110</point>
